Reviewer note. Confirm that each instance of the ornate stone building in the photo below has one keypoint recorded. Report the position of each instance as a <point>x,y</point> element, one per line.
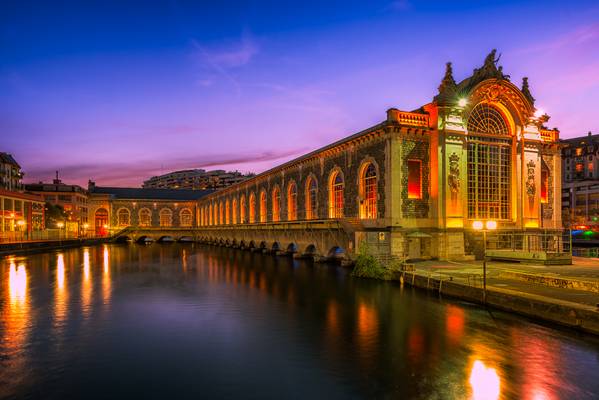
<point>416,182</point>
<point>113,208</point>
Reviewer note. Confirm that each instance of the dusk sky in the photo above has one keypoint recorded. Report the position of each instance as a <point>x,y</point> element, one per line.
<point>120,91</point>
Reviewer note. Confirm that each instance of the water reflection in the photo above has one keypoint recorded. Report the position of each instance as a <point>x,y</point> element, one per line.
<point>86,286</point>
<point>214,317</point>
<point>484,382</point>
<point>61,295</point>
<point>106,279</point>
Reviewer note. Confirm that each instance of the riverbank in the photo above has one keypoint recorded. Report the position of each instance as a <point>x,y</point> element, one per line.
<point>33,247</point>
<point>533,291</point>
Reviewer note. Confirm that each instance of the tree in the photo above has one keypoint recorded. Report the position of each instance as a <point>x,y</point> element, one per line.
<point>54,214</point>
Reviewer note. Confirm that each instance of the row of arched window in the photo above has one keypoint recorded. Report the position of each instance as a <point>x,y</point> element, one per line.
<point>145,217</point>
<point>233,211</point>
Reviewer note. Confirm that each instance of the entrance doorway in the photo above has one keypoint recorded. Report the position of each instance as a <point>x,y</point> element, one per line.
<point>101,222</point>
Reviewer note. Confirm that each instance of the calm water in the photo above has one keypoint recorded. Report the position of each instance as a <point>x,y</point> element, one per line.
<point>178,321</point>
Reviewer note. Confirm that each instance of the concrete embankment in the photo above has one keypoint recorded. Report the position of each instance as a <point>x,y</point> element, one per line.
<point>575,315</point>
<point>42,246</point>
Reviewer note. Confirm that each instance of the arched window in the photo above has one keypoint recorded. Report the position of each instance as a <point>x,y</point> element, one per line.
<point>242,210</point>
<point>124,217</point>
<point>368,192</point>
<point>252,208</point>
<point>276,204</point>
<point>221,214</point>
<point>185,217</point>
<point>336,187</point>
<point>101,221</point>
<point>311,198</point>
<point>145,217</point>
<point>489,166</point>
<point>292,202</point>
<point>227,212</point>
<point>234,211</point>
<point>210,214</point>
<point>263,206</point>
<point>166,217</point>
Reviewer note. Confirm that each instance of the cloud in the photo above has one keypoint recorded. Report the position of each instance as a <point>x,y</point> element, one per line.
<point>219,60</point>
<point>584,35</point>
<point>134,173</point>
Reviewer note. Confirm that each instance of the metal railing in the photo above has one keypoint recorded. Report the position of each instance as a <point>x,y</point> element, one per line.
<point>556,241</point>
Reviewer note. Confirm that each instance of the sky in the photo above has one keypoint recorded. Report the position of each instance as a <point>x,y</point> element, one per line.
<point>120,91</point>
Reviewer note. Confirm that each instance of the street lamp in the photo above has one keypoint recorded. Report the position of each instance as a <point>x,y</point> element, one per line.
<point>59,225</point>
<point>21,224</point>
<point>489,225</point>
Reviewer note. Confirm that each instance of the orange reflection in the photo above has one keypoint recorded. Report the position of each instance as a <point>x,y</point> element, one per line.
<point>484,382</point>
<point>17,285</point>
<point>16,315</point>
<point>367,331</point>
<point>60,293</point>
<point>106,282</point>
<point>455,324</point>
<point>86,288</point>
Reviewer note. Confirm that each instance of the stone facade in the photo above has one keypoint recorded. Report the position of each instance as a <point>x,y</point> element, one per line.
<point>481,152</point>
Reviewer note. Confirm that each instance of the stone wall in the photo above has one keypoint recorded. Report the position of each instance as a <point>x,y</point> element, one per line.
<point>415,150</point>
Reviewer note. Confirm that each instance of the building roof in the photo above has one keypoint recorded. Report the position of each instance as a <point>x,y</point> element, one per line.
<point>8,159</point>
<point>589,137</point>
<point>150,194</point>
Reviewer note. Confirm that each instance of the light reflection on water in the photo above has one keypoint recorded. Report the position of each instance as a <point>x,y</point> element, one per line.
<point>208,322</point>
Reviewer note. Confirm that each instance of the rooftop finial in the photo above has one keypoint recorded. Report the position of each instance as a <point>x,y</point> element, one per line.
<point>526,90</point>
<point>448,83</point>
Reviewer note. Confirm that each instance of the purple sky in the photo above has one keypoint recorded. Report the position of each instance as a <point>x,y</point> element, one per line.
<point>118,92</point>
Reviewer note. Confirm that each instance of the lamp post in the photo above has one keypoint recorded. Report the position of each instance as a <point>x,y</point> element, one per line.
<point>489,225</point>
<point>60,225</point>
<point>21,224</point>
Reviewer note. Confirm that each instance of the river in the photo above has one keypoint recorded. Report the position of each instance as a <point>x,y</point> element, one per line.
<point>175,321</point>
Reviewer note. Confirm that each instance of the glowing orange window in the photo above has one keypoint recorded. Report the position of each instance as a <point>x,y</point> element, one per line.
<point>263,207</point>
<point>336,196</point>
<point>369,192</point>
<point>414,179</point>
<point>544,184</point>
<point>292,202</point>
<point>276,204</point>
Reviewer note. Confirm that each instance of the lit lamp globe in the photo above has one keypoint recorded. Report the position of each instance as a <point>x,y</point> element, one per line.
<point>477,225</point>
<point>21,223</point>
<point>59,224</point>
<point>491,225</point>
<point>85,226</point>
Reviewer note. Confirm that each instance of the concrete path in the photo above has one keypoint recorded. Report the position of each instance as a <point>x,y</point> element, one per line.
<point>577,283</point>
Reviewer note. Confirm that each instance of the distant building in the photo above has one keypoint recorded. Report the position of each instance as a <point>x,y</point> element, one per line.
<point>21,214</point>
<point>580,188</point>
<point>72,198</point>
<point>115,208</point>
<point>195,179</point>
<point>10,173</point>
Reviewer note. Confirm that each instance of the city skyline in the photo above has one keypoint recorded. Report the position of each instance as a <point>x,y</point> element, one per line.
<point>121,93</point>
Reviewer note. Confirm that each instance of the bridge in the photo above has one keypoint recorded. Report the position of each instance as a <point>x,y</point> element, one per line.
<point>321,240</point>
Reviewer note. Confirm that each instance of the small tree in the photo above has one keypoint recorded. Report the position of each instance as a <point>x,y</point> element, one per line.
<point>54,214</point>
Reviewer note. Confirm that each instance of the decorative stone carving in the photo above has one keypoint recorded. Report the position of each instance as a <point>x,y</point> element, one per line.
<point>531,188</point>
<point>454,175</point>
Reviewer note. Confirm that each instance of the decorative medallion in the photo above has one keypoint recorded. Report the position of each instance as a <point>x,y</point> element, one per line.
<point>530,181</point>
<point>454,175</point>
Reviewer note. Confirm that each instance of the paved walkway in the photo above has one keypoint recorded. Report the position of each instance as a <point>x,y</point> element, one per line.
<point>506,275</point>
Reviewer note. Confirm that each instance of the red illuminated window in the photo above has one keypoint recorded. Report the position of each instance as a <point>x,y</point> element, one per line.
<point>544,186</point>
<point>414,179</point>
<point>292,202</point>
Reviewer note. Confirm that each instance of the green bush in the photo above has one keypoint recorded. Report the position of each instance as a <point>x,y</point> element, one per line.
<point>367,265</point>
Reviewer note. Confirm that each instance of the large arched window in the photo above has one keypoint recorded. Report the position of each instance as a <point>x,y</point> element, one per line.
<point>221,214</point>
<point>252,208</point>
<point>185,217</point>
<point>263,206</point>
<point>124,217</point>
<point>242,210</point>
<point>336,187</point>
<point>166,217</point>
<point>234,211</point>
<point>311,198</point>
<point>145,217</point>
<point>368,192</point>
<point>101,221</point>
<point>292,202</point>
<point>276,204</point>
<point>210,214</point>
<point>227,212</point>
<point>489,154</point>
